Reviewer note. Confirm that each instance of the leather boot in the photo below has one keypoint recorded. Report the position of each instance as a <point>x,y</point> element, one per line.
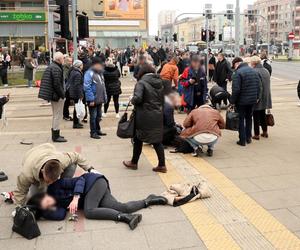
<point>153,200</point>
<point>130,165</point>
<point>131,219</point>
<point>56,137</point>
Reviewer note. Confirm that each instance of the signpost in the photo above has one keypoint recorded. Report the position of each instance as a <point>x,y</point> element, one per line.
<point>22,17</point>
<point>291,38</point>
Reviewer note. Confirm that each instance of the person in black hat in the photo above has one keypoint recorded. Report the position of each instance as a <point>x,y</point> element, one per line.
<point>95,94</point>
<point>245,95</point>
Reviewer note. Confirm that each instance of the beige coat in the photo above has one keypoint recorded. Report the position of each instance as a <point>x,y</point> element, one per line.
<point>33,162</point>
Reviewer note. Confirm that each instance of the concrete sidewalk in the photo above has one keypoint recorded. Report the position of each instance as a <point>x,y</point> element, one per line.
<point>255,202</point>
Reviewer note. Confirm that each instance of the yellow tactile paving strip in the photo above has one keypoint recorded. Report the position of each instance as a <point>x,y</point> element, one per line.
<point>214,234</point>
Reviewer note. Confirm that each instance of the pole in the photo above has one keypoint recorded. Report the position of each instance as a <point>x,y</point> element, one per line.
<point>74,31</point>
<point>237,28</point>
<point>207,45</point>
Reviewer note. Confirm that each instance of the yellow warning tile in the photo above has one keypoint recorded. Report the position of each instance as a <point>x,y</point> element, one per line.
<point>276,233</point>
<point>283,240</point>
<point>213,235</point>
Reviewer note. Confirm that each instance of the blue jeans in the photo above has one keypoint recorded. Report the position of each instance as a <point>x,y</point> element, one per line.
<point>245,125</point>
<point>29,83</point>
<point>195,144</point>
<point>95,118</point>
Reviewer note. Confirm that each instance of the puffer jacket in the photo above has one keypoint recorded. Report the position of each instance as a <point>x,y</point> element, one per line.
<point>94,87</point>
<point>112,81</point>
<point>245,86</point>
<point>33,162</point>
<point>52,84</point>
<point>75,81</point>
<point>148,101</point>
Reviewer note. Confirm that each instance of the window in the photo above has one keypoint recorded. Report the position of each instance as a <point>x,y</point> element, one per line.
<point>99,13</point>
<point>32,4</point>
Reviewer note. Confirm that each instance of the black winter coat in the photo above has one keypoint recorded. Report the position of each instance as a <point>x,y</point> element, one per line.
<point>222,72</point>
<point>245,86</point>
<point>112,81</point>
<point>75,81</point>
<point>52,84</point>
<point>148,101</point>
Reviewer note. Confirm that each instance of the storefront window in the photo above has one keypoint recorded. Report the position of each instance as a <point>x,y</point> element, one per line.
<point>40,43</point>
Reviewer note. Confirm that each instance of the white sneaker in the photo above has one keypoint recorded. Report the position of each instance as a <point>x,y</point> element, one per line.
<point>104,115</point>
<point>117,115</point>
<point>298,104</point>
<point>5,85</point>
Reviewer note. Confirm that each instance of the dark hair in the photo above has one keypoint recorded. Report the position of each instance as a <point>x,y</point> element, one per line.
<point>145,69</point>
<point>35,204</point>
<point>236,60</point>
<point>97,60</point>
<point>195,58</point>
<point>52,169</point>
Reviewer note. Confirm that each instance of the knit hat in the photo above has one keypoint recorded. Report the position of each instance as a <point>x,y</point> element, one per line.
<point>77,63</point>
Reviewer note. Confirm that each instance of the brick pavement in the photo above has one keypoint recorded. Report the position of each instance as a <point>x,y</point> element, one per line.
<point>262,178</point>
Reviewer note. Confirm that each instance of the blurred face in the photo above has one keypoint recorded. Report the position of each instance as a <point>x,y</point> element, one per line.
<point>47,202</point>
<point>220,57</point>
<point>175,100</point>
<point>98,67</point>
<point>196,65</point>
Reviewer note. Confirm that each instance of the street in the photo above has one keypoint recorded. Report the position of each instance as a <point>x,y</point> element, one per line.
<point>255,201</point>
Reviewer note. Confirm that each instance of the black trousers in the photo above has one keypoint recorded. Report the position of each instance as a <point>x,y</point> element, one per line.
<point>259,117</point>
<point>75,119</point>
<point>99,204</point>
<point>137,150</point>
<point>245,124</point>
<point>116,103</point>
<point>67,105</point>
<point>224,86</point>
<point>4,79</point>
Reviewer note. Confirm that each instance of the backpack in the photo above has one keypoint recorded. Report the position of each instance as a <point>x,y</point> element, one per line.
<point>267,66</point>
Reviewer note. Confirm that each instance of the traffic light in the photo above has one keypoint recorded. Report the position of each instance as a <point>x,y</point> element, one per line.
<point>212,35</point>
<point>220,37</point>
<point>156,38</point>
<point>203,35</point>
<point>63,21</point>
<point>175,37</point>
<point>229,14</point>
<point>83,27</point>
<point>250,16</point>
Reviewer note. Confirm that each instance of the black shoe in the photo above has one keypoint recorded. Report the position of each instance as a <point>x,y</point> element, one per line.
<point>69,119</point>
<point>241,143</point>
<point>101,134</point>
<point>85,120</point>
<point>95,136</point>
<point>3,177</point>
<point>56,136</point>
<point>153,200</point>
<point>210,153</point>
<point>131,219</point>
<point>78,126</point>
<point>249,141</point>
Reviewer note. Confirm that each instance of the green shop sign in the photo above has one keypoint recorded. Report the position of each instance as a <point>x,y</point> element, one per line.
<point>22,17</point>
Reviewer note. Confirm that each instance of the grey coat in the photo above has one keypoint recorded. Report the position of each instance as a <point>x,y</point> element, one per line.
<point>265,100</point>
<point>28,72</point>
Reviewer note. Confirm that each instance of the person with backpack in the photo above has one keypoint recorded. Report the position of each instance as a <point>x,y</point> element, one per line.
<point>266,62</point>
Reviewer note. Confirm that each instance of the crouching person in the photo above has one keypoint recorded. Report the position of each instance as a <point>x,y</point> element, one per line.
<point>203,127</point>
<point>42,166</point>
<point>91,193</point>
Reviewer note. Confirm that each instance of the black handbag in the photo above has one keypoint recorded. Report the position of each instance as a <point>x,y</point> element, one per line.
<point>126,127</point>
<point>232,120</point>
<point>25,223</point>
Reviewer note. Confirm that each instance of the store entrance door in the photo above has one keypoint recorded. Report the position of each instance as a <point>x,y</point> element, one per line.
<point>28,47</point>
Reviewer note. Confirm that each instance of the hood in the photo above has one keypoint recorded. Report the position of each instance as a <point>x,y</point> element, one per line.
<point>154,80</point>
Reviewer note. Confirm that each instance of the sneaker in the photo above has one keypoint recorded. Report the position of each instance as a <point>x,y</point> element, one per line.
<point>104,115</point>
<point>5,85</point>
<point>118,116</point>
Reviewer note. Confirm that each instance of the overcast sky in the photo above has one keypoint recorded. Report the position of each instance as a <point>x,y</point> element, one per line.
<point>186,6</point>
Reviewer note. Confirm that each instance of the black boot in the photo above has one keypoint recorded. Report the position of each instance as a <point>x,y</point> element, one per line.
<point>56,137</point>
<point>131,219</point>
<point>155,200</point>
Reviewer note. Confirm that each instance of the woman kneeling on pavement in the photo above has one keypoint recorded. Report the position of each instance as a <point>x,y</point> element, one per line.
<point>90,192</point>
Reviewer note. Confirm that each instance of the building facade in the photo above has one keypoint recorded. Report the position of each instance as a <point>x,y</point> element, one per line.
<point>23,25</point>
<point>280,17</point>
<point>116,23</point>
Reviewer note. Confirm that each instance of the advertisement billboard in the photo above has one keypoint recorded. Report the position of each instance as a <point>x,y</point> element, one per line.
<point>125,9</point>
